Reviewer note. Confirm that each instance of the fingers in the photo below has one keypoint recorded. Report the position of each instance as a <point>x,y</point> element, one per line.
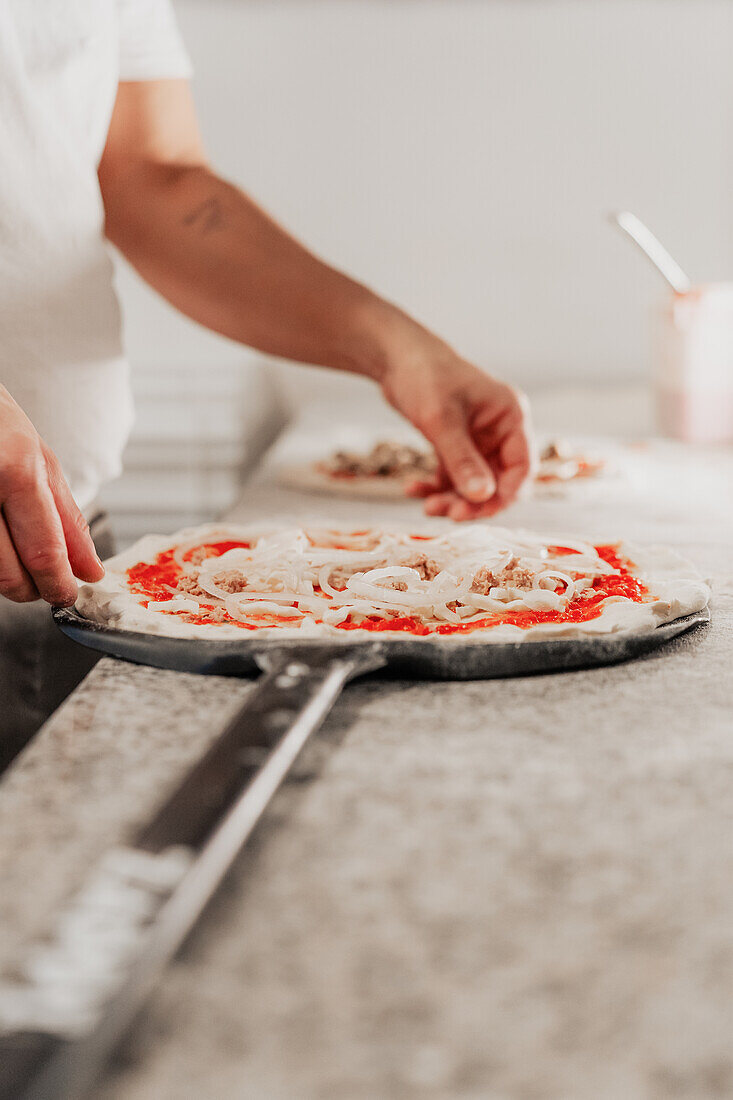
<point>456,508</point>
<point>438,503</point>
<point>80,548</point>
<point>467,469</point>
<point>504,443</point>
<point>514,457</point>
<point>462,510</point>
<point>427,486</point>
<point>420,489</point>
<point>36,531</point>
<point>38,517</point>
<point>511,462</point>
<point>15,583</point>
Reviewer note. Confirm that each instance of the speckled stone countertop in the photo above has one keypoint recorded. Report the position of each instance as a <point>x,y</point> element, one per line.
<point>482,891</point>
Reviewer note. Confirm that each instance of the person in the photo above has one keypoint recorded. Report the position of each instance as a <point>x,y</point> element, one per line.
<point>100,139</point>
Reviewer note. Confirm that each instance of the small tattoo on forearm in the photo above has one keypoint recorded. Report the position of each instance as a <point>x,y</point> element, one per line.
<point>208,216</point>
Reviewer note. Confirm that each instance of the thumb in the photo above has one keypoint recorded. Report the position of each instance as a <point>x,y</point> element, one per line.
<point>466,467</point>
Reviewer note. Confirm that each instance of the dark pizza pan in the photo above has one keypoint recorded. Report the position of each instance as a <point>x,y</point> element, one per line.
<point>444,658</point>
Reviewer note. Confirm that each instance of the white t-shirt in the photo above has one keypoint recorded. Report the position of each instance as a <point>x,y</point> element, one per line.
<point>61,354</point>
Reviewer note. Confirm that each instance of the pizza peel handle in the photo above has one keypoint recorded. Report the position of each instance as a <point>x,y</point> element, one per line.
<point>258,747</point>
<point>206,820</point>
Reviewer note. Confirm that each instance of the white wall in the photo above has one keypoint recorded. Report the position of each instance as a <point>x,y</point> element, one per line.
<point>460,155</point>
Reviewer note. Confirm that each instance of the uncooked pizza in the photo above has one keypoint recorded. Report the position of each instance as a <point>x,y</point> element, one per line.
<point>561,463</point>
<point>385,460</point>
<point>381,471</point>
<point>475,581</point>
<point>388,467</point>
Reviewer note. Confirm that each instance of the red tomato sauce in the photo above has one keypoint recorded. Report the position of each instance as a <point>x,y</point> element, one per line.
<point>216,549</point>
<point>155,580</point>
<point>408,625</point>
<point>151,579</point>
<point>579,610</point>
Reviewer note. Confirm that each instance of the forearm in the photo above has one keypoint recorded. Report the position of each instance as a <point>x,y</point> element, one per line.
<point>215,255</point>
<point>208,249</point>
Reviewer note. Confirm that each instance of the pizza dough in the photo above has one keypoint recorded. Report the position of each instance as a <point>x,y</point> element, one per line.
<point>311,478</point>
<point>476,582</point>
<point>384,470</point>
<point>380,472</point>
<point>562,465</point>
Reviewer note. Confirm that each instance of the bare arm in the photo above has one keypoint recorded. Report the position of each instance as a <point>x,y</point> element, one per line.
<point>213,253</point>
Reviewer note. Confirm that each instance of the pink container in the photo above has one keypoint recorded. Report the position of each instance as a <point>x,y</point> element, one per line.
<point>693,365</point>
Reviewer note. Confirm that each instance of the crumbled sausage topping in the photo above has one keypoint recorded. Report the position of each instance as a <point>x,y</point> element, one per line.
<point>427,567</point>
<point>230,580</point>
<point>190,586</point>
<point>395,583</point>
<point>385,459</point>
<point>514,575</point>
